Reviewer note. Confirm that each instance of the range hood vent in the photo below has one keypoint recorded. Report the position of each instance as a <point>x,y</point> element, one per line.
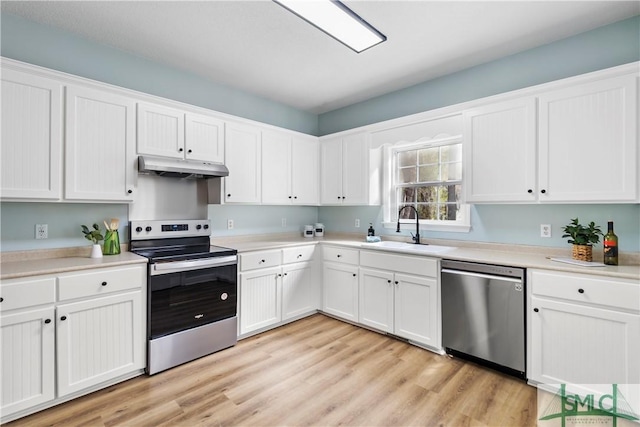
<point>177,168</point>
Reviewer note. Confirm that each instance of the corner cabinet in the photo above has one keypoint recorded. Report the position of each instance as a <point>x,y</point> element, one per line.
<point>100,146</point>
<point>31,153</point>
<point>583,331</point>
<point>349,171</point>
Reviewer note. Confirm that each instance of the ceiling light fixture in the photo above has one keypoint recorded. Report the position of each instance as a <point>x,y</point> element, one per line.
<point>336,20</point>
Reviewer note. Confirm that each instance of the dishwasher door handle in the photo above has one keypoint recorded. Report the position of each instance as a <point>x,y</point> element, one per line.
<point>481,275</point>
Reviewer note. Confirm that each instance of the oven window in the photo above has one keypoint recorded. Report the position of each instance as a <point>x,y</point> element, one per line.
<point>181,301</point>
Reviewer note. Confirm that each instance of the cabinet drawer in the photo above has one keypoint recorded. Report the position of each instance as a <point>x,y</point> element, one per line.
<point>418,265</point>
<point>341,255</point>
<point>601,290</point>
<point>299,254</point>
<point>100,281</point>
<point>20,293</point>
<point>263,259</point>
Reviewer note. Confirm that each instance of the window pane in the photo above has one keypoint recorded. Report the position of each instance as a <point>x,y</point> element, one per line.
<point>427,194</point>
<point>406,175</point>
<point>452,153</point>
<point>406,158</point>
<point>427,211</point>
<point>429,173</point>
<point>406,196</point>
<point>452,171</point>
<point>429,155</point>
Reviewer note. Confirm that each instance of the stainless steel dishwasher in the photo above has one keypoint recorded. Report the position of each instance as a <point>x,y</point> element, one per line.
<point>483,314</point>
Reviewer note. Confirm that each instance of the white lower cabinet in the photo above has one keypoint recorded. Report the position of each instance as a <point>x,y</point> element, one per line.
<point>275,286</point>
<point>405,305</point>
<point>340,282</point>
<point>69,334</point>
<point>584,332</point>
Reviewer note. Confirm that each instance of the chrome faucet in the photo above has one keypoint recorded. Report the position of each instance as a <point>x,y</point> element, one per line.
<point>416,238</point>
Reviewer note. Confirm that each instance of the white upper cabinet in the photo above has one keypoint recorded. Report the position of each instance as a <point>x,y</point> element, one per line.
<point>347,175</point>
<point>31,136</point>
<point>289,169</point>
<point>243,159</point>
<point>500,152</point>
<point>100,147</point>
<point>160,131</point>
<point>204,138</point>
<point>588,142</point>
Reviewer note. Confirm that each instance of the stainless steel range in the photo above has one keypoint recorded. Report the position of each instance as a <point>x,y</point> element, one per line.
<point>192,291</point>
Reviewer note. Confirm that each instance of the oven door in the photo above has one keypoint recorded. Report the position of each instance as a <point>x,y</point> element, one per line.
<point>183,300</point>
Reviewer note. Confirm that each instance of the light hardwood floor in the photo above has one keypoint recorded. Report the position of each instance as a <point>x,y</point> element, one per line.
<point>316,371</point>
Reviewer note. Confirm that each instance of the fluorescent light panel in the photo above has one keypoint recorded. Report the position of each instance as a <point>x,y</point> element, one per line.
<point>337,20</point>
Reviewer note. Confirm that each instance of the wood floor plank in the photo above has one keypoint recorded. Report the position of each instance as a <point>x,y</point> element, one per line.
<point>317,371</point>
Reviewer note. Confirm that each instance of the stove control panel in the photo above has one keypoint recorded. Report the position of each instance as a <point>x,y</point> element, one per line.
<point>169,228</point>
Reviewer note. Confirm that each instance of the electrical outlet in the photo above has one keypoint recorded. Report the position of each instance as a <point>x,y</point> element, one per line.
<point>42,231</point>
<point>545,230</point>
<point>357,223</point>
<point>229,224</point>
<point>284,222</point>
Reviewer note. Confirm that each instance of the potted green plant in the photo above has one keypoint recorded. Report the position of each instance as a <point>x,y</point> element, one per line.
<point>95,236</point>
<point>582,238</point>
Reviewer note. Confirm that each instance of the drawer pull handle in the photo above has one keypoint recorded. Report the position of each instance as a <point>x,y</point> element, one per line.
<point>63,318</point>
<point>581,291</point>
<point>47,321</point>
<point>536,310</point>
<point>104,283</point>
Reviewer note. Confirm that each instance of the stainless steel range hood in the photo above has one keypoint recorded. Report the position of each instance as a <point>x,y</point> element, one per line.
<point>178,168</point>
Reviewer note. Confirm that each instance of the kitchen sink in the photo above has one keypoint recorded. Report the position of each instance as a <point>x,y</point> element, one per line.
<point>407,247</point>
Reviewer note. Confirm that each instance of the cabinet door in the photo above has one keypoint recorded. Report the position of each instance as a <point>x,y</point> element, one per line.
<point>260,299</point>
<point>242,156</point>
<point>299,290</point>
<point>376,299</point>
<point>276,168</point>
<point>416,309</point>
<point>28,359</point>
<point>31,149</point>
<point>98,340</point>
<point>500,152</point>
<point>204,138</point>
<point>331,172</point>
<point>160,131</point>
<point>582,345</point>
<point>100,159</point>
<point>305,171</point>
<point>588,142</point>
<point>355,170</point>
<point>340,286</point>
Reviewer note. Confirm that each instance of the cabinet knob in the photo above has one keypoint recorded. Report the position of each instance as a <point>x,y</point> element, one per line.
<point>543,191</point>
<point>536,310</point>
<point>344,197</point>
<point>129,191</point>
<point>295,197</point>
<point>396,282</point>
<point>104,283</point>
<point>339,255</point>
<point>190,151</point>
<point>228,195</point>
<point>581,291</point>
<point>1,299</point>
<point>279,275</point>
<point>299,256</point>
<point>261,261</point>
<point>338,197</point>
<point>63,318</point>
<point>289,196</point>
<point>286,274</point>
<point>47,321</point>
<point>388,281</point>
<point>181,149</point>
<point>354,274</point>
<point>529,191</point>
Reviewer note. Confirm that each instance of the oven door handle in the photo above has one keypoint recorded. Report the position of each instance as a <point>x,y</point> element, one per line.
<point>198,264</point>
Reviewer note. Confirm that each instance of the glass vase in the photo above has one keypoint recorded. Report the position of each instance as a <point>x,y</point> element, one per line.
<point>111,243</point>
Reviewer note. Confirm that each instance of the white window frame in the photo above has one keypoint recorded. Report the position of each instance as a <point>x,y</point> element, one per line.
<point>390,206</point>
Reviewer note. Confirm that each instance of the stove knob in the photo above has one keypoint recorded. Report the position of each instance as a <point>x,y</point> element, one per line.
<point>206,226</point>
<point>148,228</point>
<point>198,227</point>
<point>138,229</point>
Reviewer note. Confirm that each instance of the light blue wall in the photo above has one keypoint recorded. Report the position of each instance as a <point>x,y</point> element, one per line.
<point>38,44</point>
<point>251,220</point>
<point>604,47</point>
<point>518,224</point>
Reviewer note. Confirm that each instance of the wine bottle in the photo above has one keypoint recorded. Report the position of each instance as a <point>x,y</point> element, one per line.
<point>610,246</point>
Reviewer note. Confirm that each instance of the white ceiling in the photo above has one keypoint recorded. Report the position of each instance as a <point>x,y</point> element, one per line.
<point>261,48</point>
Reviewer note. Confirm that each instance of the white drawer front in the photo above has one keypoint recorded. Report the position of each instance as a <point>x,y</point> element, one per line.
<point>619,293</point>
<point>341,255</point>
<point>263,259</point>
<point>298,254</point>
<point>418,265</point>
<point>100,281</point>
<point>20,293</point>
